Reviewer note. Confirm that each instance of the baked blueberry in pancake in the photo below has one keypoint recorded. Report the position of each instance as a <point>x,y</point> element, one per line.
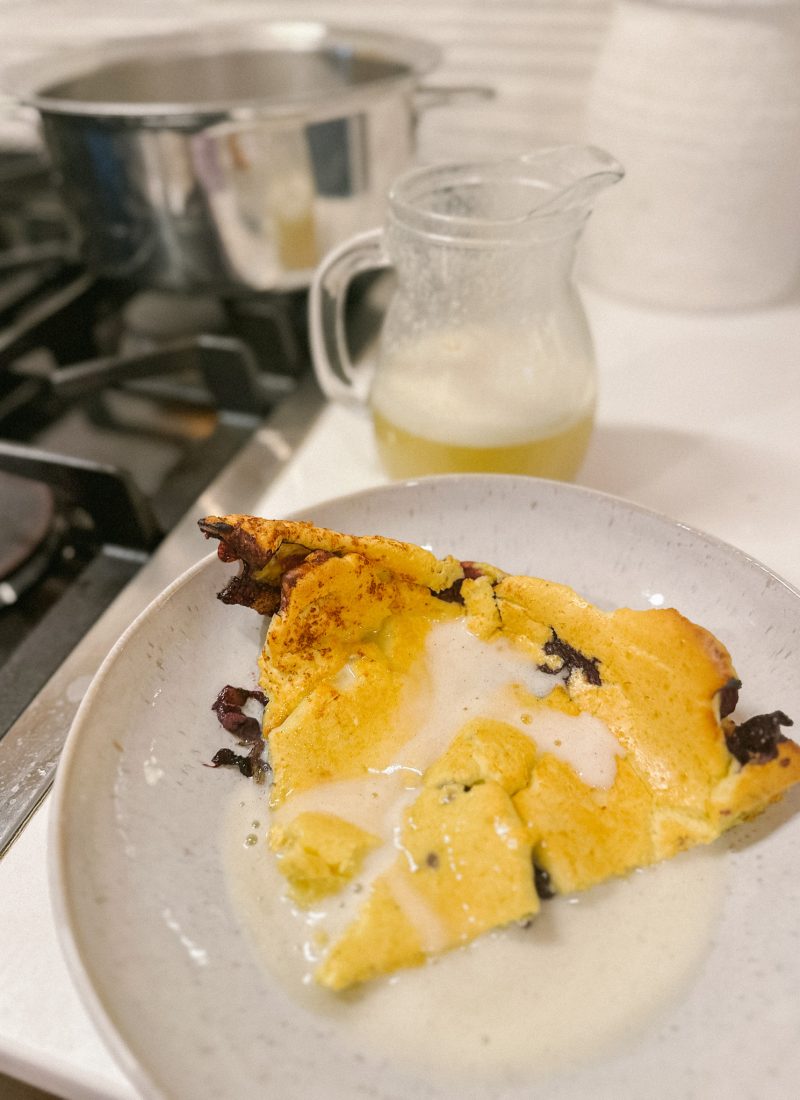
<point>450,743</point>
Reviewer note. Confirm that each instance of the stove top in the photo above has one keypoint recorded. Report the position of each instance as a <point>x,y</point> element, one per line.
<point>119,408</point>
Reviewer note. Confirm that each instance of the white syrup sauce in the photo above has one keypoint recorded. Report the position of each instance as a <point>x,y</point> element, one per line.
<point>590,973</point>
<point>582,741</point>
<point>524,999</point>
<point>466,677</point>
<point>460,677</point>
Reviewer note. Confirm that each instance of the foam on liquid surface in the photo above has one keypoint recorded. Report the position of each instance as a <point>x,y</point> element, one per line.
<point>483,387</point>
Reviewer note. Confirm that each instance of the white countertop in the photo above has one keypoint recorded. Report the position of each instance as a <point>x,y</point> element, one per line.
<point>698,418</point>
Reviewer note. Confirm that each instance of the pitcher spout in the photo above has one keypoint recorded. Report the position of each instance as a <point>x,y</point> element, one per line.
<point>567,178</point>
<point>541,195</point>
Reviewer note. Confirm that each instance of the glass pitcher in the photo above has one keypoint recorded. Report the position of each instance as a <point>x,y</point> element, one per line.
<point>485,361</point>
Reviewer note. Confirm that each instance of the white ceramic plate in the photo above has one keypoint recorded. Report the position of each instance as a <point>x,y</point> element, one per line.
<point>168,966</point>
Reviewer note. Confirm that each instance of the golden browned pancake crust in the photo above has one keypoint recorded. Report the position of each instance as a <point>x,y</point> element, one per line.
<point>499,809</point>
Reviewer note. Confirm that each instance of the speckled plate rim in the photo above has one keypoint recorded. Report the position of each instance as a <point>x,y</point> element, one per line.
<point>58,839</point>
<point>323,512</point>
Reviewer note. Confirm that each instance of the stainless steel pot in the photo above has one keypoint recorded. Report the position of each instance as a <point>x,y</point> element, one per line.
<point>230,159</point>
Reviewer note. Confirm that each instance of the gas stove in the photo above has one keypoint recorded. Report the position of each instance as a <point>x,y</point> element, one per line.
<point>119,408</point>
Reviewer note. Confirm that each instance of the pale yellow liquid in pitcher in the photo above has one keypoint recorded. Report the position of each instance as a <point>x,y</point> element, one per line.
<point>483,400</point>
<point>558,456</point>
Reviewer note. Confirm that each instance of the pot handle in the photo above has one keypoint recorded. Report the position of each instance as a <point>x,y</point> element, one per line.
<point>336,373</point>
<point>427,96</point>
<point>22,117</point>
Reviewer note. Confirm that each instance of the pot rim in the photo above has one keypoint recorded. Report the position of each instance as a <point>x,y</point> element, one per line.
<point>27,81</point>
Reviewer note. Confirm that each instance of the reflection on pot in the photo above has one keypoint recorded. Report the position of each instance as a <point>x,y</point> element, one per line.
<point>228,161</point>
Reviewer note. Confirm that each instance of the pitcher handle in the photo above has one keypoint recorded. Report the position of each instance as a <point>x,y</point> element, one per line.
<point>336,373</point>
